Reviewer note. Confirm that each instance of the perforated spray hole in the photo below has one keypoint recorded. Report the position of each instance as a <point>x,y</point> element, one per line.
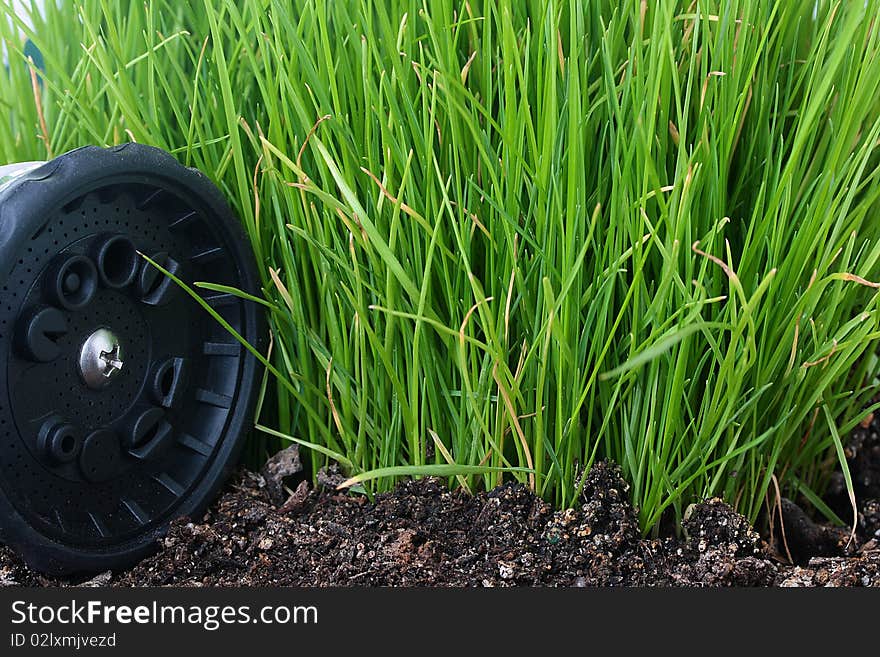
<point>117,261</point>
<point>68,443</point>
<point>73,282</point>
<point>166,381</point>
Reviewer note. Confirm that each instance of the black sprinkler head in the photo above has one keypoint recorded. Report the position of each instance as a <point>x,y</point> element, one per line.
<point>123,404</point>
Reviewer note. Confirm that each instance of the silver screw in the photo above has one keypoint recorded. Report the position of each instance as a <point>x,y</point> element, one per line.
<point>100,359</point>
<point>112,360</point>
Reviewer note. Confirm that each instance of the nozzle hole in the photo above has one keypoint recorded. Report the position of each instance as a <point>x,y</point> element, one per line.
<point>117,261</point>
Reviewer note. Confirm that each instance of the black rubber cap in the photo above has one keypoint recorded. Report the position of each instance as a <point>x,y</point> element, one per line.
<point>123,404</point>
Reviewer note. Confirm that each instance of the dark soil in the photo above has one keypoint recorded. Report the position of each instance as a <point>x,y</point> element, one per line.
<point>265,534</point>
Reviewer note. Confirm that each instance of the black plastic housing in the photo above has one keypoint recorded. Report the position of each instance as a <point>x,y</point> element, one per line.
<point>90,476</point>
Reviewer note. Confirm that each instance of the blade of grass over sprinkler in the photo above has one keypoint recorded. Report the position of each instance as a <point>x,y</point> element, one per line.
<point>282,380</point>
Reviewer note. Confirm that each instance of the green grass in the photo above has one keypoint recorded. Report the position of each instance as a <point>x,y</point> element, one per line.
<point>520,236</point>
